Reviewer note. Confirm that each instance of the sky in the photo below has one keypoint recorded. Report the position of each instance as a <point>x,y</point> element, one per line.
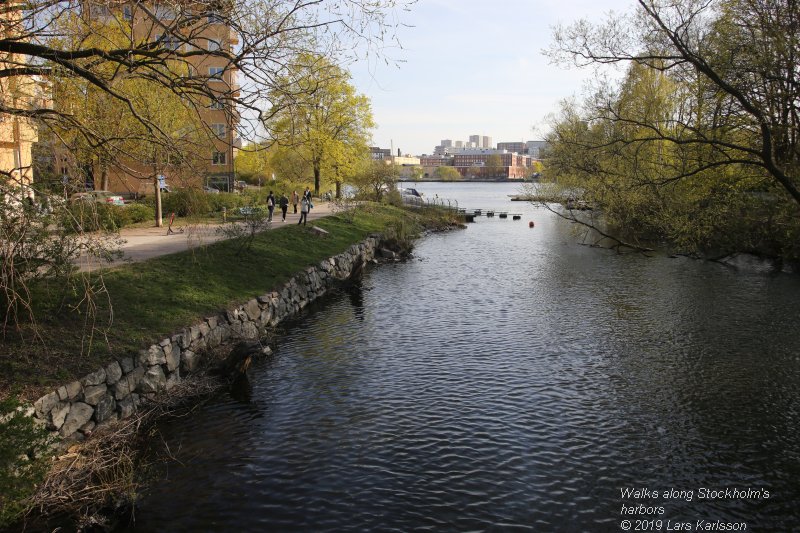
<point>471,67</point>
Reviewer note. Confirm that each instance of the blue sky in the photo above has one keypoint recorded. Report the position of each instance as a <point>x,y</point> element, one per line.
<point>474,67</point>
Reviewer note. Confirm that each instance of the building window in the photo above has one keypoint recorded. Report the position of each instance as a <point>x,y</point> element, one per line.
<point>98,11</point>
<point>215,18</point>
<point>127,13</point>
<point>215,73</point>
<point>217,103</point>
<point>218,158</point>
<point>170,42</point>
<point>213,45</point>
<point>218,129</point>
<point>164,12</point>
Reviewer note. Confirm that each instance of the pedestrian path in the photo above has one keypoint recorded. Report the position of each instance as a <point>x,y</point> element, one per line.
<point>145,243</point>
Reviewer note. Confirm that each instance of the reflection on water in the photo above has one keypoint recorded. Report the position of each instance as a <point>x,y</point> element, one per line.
<point>506,379</point>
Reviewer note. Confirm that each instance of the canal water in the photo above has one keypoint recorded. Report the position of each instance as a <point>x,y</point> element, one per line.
<point>508,378</point>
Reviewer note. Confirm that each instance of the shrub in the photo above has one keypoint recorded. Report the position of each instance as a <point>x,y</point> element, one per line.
<point>393,197</point>
<point>22,466</point>
<point>135,213</point>
<point>227,200</point>
<point>90,216</point>
<point>33,247</point>
<point>252,220</point>
<point>186,202</point>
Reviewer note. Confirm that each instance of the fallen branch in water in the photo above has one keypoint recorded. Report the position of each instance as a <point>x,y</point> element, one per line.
<point>619,243</point>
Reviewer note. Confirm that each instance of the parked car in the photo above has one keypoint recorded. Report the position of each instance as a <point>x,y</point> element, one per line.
<point>210,190</point>
<point>101,197</point>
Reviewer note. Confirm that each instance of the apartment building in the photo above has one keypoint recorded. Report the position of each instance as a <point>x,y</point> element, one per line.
<point>183,26</point>
<point>435,160</point>
<point>535,148</point>
<point>444,150</point>
<point>516,147</point>
<point>380,154</point>
<point>478,164</point>
<point>17,134</point>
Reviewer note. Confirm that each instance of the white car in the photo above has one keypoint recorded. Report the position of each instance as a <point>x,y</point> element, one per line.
<point>101,197</point>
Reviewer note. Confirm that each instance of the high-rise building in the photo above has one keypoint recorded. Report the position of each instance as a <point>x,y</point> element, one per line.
<point>486,142</point>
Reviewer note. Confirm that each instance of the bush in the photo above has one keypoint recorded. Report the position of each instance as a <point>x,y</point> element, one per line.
<point>228,200</point>
<point>32,248</point>
<point>186,202</point>
<point>89,216</point>
<point>135,213</point>
<point>393,197</point>
<point>22,466</point>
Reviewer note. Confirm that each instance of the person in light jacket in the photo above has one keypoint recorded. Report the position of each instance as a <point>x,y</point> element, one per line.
<point>303,210</point>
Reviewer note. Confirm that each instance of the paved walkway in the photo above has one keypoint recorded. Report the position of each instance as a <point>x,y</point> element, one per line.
<point>144,243</point>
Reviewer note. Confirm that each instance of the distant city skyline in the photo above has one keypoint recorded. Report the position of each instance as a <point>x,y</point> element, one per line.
<point>466,69</point>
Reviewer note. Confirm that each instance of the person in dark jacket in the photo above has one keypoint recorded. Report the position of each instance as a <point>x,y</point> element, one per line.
<point>270,205</point>
<point>284,203</point>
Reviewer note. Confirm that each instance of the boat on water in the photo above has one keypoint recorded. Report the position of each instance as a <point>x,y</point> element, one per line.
<point>411,195</point>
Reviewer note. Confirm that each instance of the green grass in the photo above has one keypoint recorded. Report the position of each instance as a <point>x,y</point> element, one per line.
<point>135,305</point>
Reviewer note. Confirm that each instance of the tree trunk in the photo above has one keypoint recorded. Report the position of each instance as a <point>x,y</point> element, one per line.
<point>104,176</point>
<point>316,179</point>
<point>159,219</point>
<point>338,189</point>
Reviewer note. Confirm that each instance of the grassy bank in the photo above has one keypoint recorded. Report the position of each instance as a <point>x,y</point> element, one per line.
<point>84,323</point>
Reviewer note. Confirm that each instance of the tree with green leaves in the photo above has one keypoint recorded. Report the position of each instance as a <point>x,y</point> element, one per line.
<point>99,51</point>
<point>375,178</point>
<point>698,143</point>
<point>253,163</point>
<point>446,173</point>
<point>166,135</point>
<point>494,166</point>
<point>328,126</point>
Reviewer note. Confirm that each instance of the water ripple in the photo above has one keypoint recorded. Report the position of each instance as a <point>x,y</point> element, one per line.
<point>482,391</point>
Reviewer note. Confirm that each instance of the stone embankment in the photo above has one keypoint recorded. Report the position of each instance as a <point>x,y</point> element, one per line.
<point>118,389</point>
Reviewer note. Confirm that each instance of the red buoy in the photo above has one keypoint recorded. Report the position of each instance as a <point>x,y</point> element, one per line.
<point>530,224</point>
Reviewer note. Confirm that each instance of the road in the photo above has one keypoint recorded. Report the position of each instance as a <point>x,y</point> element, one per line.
<point>144,243</point>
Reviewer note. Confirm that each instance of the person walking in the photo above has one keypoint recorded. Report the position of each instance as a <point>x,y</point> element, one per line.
<point>284,203</point>
<point>304,203</point>
<point>307,196</point>
<point>270,205</point>
<point>295,200</point>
